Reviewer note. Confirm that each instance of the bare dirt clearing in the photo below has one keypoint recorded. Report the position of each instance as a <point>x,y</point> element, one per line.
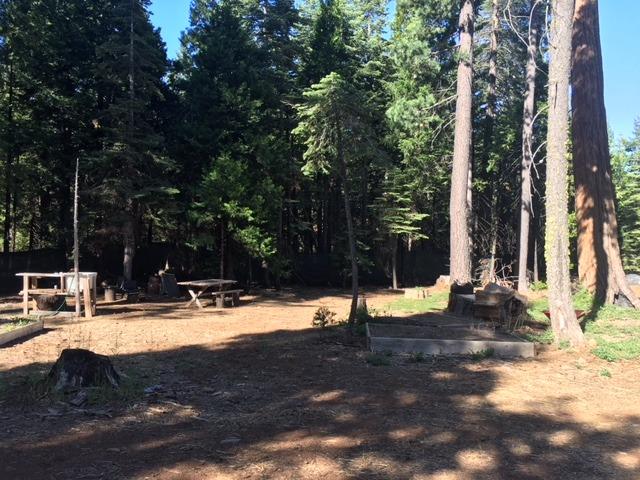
<point>253,392</point>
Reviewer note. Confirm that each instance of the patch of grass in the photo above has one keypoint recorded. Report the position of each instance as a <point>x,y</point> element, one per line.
<point>379,359</point>
<point>605,373</point>
<point>17,322</point>
<point>564,345</point>
<point>131,389</point>
<point>482,354</point>
<point>538,286</point>
<point>537,308</point>
<point>417,357</point>
<point>545,337</point>
<point>436,301</point>
<point>616,332</point>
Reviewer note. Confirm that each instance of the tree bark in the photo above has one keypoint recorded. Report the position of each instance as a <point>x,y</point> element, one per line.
<point>488,141</point>
<point>563,318</point>
<point>8,168</point>
<point>76,241</point>
<point>394,262</point>
<point>526,205</point>
<point>342,165</point>
<point>459,208</point>
<point>599,260</point>
<point>129,241</point>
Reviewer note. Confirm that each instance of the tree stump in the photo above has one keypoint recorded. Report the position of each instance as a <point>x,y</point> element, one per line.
<point>79,368</point>
<point>457,300</point>
<point>49,303</point>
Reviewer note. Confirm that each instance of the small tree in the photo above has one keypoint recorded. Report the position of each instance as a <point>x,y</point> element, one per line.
<point>336,129</point>
<point>398,216</point>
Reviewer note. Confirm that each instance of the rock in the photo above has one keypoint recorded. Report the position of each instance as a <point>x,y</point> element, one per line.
<point>443,281</point>
<point>633,279</point>
<point>79,368</point>
<point>622,301</point>
<point>152,389</point>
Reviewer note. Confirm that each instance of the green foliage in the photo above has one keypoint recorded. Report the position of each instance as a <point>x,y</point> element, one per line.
<point>379,359</point>
<point>626,178</point>
<point>323,318</point>
<point>417,357</point>
<point>605,373</point>
<point>436,301</point>
<point>482,354</point>
<point>538,286</point>
<point>545,337</point>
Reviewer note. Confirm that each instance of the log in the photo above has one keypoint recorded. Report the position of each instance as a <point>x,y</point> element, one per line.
<point>79,368</point>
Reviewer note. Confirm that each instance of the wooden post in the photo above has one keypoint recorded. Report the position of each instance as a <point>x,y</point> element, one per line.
<point>25,295</point>
<point>86,290</point>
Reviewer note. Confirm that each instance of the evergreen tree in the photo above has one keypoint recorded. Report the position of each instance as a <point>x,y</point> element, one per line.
<point>336,130</point>
<point>132,64</point>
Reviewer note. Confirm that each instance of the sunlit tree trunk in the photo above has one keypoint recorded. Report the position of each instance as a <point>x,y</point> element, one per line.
<point>526,205</point>
<point>599,260</point>
<point>563,318</point>
<point>459,208</point>
<point>491,119</point>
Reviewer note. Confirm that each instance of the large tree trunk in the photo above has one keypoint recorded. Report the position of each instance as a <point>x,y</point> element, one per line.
<point>488,142</point>
<point>129,241</point>
<point>526,205</point>
<point>8,168</point>
<point>459,208</point>
<point>563,317</point>
<point>599,261</point>
<point>350,230</point>
<point>76,241</point>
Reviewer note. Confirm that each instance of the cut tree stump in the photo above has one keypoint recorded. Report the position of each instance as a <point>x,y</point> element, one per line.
<point>49,303</point>
<point>79,368</point>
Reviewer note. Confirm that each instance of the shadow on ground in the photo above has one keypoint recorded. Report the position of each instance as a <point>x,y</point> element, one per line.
<point>306,404</point>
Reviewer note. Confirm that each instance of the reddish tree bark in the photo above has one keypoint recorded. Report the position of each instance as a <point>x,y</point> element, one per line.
<point>599,260</point>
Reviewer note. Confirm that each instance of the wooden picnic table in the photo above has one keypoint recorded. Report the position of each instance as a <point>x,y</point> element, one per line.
<point>197,288</point>
<point>88,286</point>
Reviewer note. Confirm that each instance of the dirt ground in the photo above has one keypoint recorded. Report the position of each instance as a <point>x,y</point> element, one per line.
<point>254,393</point>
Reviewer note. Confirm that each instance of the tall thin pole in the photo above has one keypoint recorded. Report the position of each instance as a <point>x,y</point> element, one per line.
<point>76,242</point>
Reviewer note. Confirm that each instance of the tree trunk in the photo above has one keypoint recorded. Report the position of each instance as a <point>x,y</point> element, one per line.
<point>526,205</point>
<point>8,168</point>
<point>222,249</point>
<point>599,260</point>
<point>488,136</point>
<point>459,208</point>
<point>76,241</point>
<point>394,262</point>
<point>129,241</point>
<point>563,317</point>
<point>350,230</point>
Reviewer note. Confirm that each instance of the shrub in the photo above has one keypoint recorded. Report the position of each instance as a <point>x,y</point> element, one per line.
<point>323,318</point>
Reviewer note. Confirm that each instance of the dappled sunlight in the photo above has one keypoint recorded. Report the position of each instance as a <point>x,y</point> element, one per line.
<point>239,402</point>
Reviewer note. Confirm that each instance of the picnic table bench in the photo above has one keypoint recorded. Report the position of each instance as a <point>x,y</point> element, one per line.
<point>198,288</point>
<point>66,288</point>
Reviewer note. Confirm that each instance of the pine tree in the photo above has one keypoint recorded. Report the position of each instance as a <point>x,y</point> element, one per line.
<point>460,208</point>
<point>337,133</point>
<point>563,317</point>
<point>599,260</point>
<point>132,63</point>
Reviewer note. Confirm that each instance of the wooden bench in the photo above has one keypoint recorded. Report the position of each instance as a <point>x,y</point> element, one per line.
<point>222,295</point>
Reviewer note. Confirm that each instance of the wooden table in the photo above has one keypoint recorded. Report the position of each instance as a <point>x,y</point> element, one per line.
<point>197,288</point>
<point>88,286</point>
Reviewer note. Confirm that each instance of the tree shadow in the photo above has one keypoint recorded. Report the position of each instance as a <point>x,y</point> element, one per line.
<point>306,404</point>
